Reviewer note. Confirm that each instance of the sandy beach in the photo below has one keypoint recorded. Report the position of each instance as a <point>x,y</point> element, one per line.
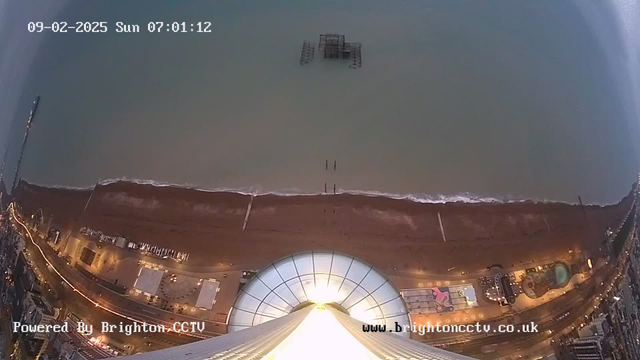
<point>388,233</point>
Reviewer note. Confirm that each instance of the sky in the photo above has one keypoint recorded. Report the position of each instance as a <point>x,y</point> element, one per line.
<point>616,25</point>
<point>498,100</point>
<point>18,49</point>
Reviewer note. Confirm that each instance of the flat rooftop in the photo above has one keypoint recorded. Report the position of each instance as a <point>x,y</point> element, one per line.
<point>207,295</point>
<point>41,304</point>
<point>148,280</point>
<point>440,299</point>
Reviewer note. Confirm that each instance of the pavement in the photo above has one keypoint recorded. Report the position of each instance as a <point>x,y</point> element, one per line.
<point>82,297</point>
<point>87,295</point>
<point>516,345</point>
<point>87,348</point>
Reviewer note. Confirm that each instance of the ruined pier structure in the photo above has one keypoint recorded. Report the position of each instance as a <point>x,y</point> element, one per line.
<point>333,46</point>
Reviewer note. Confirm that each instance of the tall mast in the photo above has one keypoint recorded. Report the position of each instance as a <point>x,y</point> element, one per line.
<point>24,141</point>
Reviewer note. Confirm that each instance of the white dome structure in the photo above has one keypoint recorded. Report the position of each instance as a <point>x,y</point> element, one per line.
<point>319,277</point>
<point>312,333</point>
<point>313,306</point>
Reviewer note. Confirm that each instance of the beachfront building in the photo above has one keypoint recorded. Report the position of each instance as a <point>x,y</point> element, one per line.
<point>440,299</point>
<point>313,305</point>
<point>319,277</point>
<point>589,348</point>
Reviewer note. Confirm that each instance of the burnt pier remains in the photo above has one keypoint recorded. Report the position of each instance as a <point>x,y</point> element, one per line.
<point>333,46</point>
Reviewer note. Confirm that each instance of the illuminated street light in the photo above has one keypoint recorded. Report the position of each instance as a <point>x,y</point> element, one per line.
<point>86,297</point>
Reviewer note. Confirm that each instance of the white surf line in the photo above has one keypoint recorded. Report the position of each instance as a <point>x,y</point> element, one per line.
<point>246,216</point>
<point>444,237</point>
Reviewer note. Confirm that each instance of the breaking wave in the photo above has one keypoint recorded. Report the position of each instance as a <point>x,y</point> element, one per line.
<point>62,187</point>
<point>425,198</point>
<point>465,197</point>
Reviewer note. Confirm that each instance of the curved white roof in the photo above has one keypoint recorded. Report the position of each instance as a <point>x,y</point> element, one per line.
<point>319,277</point>
<point>296,336</point>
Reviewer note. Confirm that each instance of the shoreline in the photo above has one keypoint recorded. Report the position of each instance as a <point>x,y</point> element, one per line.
<point>423,198</point>
<point>214,227</point>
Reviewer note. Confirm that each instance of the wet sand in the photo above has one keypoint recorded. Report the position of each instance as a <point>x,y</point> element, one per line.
<point>387,233</point>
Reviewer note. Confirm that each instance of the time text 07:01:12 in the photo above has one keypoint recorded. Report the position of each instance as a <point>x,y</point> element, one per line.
<point>159,26</point>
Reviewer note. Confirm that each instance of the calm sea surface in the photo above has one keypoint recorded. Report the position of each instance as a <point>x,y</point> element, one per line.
<point>492,98</point>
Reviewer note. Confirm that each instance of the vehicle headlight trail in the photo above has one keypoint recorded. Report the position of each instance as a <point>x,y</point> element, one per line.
<point>75,289</point>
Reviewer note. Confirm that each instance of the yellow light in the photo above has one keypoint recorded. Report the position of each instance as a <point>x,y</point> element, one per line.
<point>310,339</point>
<point>322,294</point>
<point>69,283</point>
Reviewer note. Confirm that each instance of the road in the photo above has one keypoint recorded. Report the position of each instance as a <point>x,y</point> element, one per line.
<point>544,316</point>
<point>85,310</point>
<point>579,302</point>
<point>82,297</point>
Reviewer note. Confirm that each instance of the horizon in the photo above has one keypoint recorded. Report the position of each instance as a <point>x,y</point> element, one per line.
<point>421,198</point>
<point>547,135</point>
